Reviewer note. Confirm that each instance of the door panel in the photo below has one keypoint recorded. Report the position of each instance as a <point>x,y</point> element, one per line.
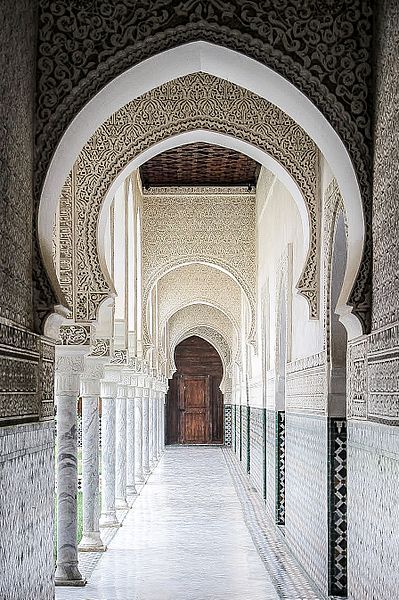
<point>195,417</point>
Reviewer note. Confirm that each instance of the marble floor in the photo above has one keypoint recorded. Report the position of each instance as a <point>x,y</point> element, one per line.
<point>184,539</point>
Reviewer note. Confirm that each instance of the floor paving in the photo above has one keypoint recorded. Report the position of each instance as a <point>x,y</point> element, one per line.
<point>184,539</point>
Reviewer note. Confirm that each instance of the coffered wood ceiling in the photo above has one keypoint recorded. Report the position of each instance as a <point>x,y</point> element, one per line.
<point>199,164</point>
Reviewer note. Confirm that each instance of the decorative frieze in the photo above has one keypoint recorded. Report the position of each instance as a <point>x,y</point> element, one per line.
<point>357,379</point>
<point>75,335</point>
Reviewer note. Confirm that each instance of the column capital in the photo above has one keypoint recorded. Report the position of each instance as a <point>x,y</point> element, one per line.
<point>69,364</point>
<point>138,391</point>
<point>91,376</point>
<point>121,390</point>
<point>108,389</point>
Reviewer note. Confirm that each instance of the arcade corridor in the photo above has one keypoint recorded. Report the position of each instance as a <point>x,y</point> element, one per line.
<point>186,539</point>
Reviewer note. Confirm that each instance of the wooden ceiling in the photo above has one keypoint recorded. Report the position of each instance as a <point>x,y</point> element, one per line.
<point>199,164</point>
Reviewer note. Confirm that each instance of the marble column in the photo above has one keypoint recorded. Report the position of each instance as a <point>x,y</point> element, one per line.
<point>160,394</point>
<point>139,434</point>
<point>157,424</point>
<point>67,374</point>
<point>90,391</point>
<point>152,426</point>
<point>108,451</point>
<point>120,450</point>
<point>131,490</point>
<point>146,429</point>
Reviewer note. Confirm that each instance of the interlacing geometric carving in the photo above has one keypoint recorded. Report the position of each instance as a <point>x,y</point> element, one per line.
<point>197,101</point>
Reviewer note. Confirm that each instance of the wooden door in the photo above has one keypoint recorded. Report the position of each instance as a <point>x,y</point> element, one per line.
<point>195,419</point>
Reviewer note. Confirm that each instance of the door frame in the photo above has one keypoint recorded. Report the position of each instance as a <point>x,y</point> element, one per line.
<point>181,408</point>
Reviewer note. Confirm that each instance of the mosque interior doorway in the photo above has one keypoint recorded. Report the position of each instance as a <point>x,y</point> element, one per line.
<point>194,402</point>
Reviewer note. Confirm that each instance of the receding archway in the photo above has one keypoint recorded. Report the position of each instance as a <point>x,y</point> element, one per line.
<point>194,408</point>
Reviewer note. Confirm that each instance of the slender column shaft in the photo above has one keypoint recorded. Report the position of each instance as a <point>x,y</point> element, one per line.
<point>146,427</point>
<point>67,572</point>
<point>130,446</point>
<point>108,512</point>
<point>91,540</point>
<point>160,424</point>
<point>152,429</point>
<point>163,423</point>
<point>139,438</point>
<point>120,453</point>
<point>157,417</point>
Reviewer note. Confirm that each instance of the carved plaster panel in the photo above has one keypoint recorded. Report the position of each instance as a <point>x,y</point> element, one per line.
<point>198,283</point>
<point>323,48</point>
<point>332,207</point>
<point>196,101</point>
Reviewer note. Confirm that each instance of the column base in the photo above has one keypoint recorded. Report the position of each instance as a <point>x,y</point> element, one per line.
<point>70,582</point>
<point>130,491</point>
<point>69,575</point>
<point>109,520</point>
<point>121,503</point>
<point>91,542</point>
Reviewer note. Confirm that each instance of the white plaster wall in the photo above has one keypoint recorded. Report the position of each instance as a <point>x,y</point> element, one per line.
<point>279,224</point>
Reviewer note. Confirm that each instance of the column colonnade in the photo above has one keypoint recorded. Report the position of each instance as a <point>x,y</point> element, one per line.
<point>128,398</point>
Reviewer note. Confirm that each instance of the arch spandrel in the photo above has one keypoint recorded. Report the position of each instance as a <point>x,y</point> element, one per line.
<point>205,102</point>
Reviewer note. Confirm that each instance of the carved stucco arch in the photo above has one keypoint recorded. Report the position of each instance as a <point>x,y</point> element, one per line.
<point>205,102</point>
<point>339,128</point>
<point>221,292</point>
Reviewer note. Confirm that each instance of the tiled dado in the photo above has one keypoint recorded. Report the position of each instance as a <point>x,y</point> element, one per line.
<point>306,494</point>
<point>271,453</point>
<point>257,453</point>
<point>245,437</point>
<point>26,376</point>
<point>373,511</point>
<point>27,498</point>
<point>227,420</point>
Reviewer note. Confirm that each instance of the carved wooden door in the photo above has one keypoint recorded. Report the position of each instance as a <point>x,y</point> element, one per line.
<point>195,418</point>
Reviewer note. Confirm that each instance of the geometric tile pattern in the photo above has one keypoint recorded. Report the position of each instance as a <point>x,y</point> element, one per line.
<point>287,576</point>
<point>337,479</point>
<point>257,448</point>
<point>306,498</point>
<point>245,450</point>
<point>271,461</point>
<point>373,511</point>
<point>280,467</point>
<point>234,427</point>
<point>227,424</point>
